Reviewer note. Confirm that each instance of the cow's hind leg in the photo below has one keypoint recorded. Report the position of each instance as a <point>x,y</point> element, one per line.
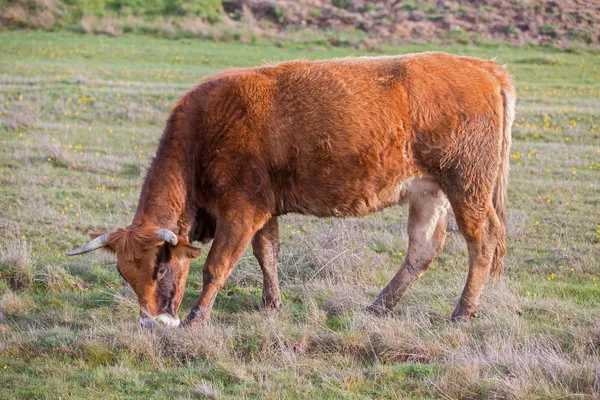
<point>265,246</point>
<point>235,228</point>
<point>469,179</point>
<point>427,221</point>
<point>483,233</point>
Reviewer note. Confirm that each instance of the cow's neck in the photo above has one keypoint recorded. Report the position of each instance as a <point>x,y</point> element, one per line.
<point>164,197</point>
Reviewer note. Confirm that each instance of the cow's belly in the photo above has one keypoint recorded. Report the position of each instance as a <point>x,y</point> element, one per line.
<point>347,198</point>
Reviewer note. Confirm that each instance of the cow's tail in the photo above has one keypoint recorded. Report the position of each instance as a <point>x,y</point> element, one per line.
<point>500,191</point>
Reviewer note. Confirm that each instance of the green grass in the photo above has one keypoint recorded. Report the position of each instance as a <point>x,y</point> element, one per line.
<point>68,13</point>
<point>80,117</point>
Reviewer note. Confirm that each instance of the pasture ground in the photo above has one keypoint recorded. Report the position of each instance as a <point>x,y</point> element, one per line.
<point>80,117</point>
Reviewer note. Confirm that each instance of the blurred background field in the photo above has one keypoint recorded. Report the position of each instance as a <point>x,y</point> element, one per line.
<point>80,116</point>
<point>364,24</point>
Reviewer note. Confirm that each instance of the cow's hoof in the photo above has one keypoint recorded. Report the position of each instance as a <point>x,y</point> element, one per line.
<point>378,309</point>
<point>270,303</point>
<point>463,315</point>
<point>195,318</point>
<point>191,323</point>
<point>147,323</point>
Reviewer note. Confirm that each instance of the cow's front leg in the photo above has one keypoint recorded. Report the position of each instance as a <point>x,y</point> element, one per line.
<point>265,246</point>
<point>235,229</point>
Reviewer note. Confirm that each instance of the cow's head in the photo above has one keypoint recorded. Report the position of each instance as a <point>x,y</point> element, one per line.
<point>155,263</point>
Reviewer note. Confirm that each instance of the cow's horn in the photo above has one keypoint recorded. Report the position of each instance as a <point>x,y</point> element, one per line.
<point>94,244</point>
<point>167,236</point>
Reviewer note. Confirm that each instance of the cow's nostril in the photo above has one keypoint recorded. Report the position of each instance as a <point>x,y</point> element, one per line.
<point>146,323</point>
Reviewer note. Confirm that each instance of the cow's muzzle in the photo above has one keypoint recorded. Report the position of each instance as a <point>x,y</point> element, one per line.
<point>147,322</point>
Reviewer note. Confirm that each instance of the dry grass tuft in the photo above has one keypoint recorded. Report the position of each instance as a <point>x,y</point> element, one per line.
<point>209,342</point>
<point>501,298</point>
<point>352,344</point>
<point>503,367</point>
<point>344,299</point>
<point>595,334</point>
<point>57,279</point>
<point>141,345</point>
<point>16,263</point>
<point>207,389</point>
<point>11,304</point>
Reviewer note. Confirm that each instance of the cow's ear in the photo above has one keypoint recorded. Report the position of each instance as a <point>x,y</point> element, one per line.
<point>185,249</point>
<point>191,251</point>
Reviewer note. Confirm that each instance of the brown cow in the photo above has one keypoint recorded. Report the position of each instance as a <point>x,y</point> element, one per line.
<point>335,138</point>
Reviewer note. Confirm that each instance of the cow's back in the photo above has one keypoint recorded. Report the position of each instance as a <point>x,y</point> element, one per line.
<point>338,137</point>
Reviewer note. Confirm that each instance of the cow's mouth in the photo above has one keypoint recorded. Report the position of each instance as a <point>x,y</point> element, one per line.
<point>165,319</point>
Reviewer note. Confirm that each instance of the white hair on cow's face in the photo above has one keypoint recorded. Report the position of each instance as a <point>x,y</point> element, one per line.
<point>165,319</point>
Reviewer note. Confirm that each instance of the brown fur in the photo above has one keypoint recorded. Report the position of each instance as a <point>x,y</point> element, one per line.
<point>344,137</point>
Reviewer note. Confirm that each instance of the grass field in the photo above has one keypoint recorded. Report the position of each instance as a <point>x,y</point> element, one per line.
<point>80,117</point>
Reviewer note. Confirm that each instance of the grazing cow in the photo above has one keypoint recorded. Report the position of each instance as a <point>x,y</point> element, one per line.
<point>333,138</point>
